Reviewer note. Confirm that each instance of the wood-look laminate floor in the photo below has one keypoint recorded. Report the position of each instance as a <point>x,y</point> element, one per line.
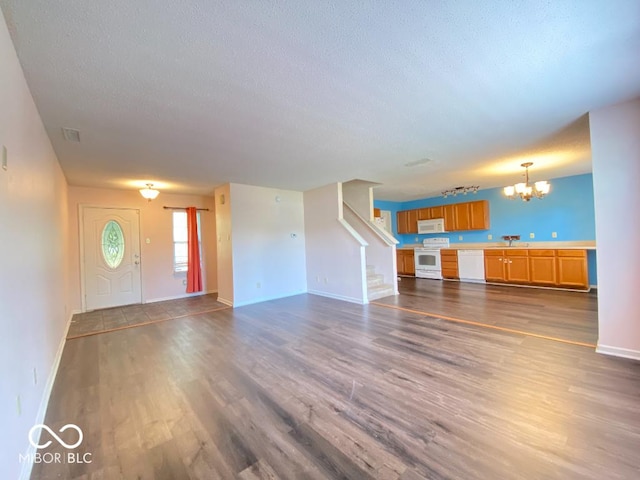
<point>565,315</point>
<point>309,387</point>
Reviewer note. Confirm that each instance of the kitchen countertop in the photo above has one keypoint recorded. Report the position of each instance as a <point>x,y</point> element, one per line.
<point>569,245</point>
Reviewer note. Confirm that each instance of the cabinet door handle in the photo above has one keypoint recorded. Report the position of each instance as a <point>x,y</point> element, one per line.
<point>499,259</point>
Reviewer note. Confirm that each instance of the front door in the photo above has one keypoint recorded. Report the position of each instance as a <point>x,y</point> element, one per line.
<point>111,251</point>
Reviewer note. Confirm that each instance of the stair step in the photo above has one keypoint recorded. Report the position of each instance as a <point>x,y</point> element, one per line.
<point>374,280</point>
<point>371,269</point>
<point>380,291</point>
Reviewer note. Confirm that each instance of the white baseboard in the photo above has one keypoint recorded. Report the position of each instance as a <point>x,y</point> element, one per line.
<point>229,303</point>
<point>265,299</point>
<point>178,297</point>
<point>25,473</point>
<point>618,352</point>
<point>359,301</point>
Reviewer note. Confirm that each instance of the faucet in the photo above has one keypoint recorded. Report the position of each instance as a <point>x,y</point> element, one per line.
<point>511,238</point>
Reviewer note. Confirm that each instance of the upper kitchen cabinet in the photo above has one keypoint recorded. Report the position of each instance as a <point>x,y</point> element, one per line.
<point>407,221</point>
<point>449,215</point>
<point>471,215</point>
<point>412,221</point>
<point>457,216</point>
<point>401,221</point>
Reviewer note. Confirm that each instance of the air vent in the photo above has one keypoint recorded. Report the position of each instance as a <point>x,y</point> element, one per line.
<point>417,163</point>
<point>71,135</point>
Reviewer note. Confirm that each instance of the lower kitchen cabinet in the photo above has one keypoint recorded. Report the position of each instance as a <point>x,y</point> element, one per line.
<point>550,268</point>
<point>573,271</point>
<point>542,267</point>
<point>449,263</point>
<point>405,262</point>
<point>517,266</point>
<point>494,266</point>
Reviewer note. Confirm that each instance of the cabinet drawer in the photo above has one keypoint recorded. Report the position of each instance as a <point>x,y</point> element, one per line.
<point>571,253</point>
<point>449,264</point>
<point>449,253</point>
<point>542,253</point>
<point>494,253</point>
<point>519,252</point>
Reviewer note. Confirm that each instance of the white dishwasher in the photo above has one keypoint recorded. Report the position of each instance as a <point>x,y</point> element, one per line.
<point>471,265</point>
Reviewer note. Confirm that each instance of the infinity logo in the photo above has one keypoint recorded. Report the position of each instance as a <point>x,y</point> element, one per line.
<point>60,441</point>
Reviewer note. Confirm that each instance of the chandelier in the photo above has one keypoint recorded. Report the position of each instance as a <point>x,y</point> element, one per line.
<point>526,191</point>
<point>460,191</point>
<point>149,193</point>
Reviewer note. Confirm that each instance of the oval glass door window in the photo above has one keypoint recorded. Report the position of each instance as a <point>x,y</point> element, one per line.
<point>112,244</point>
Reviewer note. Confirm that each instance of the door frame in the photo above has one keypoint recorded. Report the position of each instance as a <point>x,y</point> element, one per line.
<point>83,288</point>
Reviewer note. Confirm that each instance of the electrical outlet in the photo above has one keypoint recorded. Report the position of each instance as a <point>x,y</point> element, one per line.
<point>554,234</point>
<point>532,235</point>
<point>417,239</point>
<point>489,237</point>
<point>460,237</point>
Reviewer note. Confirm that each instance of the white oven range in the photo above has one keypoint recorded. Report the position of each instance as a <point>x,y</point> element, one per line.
<point>427,257</point>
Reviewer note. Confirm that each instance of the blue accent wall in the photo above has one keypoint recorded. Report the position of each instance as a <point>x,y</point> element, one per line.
<point>568,210</point>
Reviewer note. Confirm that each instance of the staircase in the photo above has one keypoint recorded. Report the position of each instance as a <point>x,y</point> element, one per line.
<point>376,288</point>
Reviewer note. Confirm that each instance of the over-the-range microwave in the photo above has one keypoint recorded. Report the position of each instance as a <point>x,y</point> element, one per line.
<point>435,225</point>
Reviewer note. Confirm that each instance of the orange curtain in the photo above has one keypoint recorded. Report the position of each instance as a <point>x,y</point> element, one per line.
<point>194,272</point>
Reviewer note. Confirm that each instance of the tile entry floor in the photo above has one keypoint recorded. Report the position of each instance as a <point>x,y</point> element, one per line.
<point>99,321</point>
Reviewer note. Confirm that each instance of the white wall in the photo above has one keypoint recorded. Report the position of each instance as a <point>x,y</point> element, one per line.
<point>268,242</point>
<point>359,195</point>
<point>33,249</point>
<point>335,260</point>
<point>224,246</point>
<point>615,149</point>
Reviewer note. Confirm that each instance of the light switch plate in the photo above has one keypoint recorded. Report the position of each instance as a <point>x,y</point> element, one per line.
<point>554,234</point>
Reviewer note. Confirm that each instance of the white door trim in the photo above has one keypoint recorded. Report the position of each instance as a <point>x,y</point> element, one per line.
<point>81,208</point>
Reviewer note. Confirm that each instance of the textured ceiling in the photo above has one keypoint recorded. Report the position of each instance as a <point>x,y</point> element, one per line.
<point>299,94</point>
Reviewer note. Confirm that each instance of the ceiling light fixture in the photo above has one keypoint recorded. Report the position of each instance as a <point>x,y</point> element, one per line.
<point>460,191</point>
<point>149,193</point>
<point>526,191</point>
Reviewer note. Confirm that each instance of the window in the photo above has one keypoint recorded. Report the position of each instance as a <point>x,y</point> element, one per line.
<point>113,244</point>
<point>181,241</point>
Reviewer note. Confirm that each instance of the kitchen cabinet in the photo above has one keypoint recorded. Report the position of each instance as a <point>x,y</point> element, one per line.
<point>449,263</point>
<point>424,213</point>
<point>506,266</point>
<point>457,217</point>
<point>402,218</point>
<point>449,215</point>
<point>566,268</point>
<point>542,267</point>
<point>405,262</point>
<point>494,266</point>
<point>376,213</point>
<point>471,215</point>
<point>412,221</point>
<point>462,216</point>
<point>517,266</point>
<point>572,269</point>
<point>479,213</point>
